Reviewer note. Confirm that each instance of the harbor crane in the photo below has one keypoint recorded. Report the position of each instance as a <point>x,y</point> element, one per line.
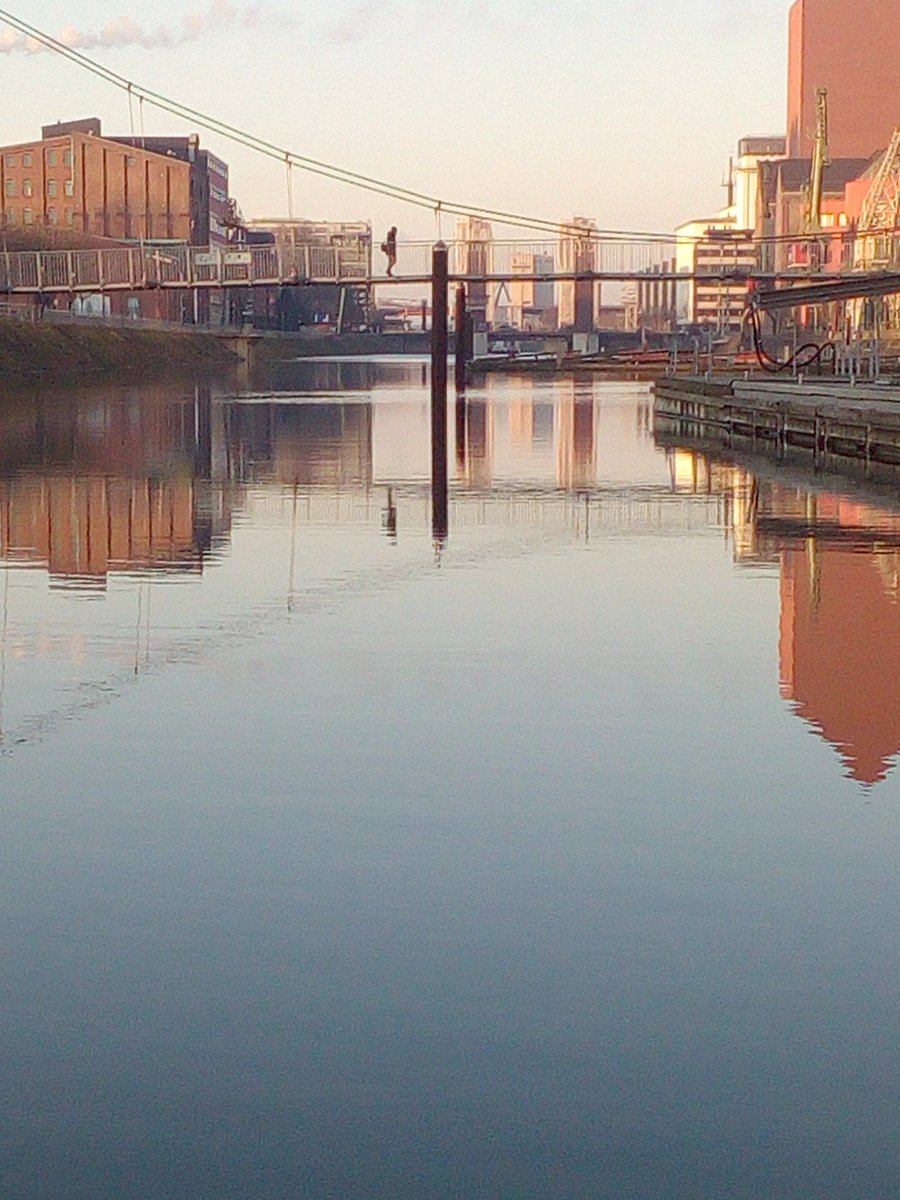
<point>812,217</point>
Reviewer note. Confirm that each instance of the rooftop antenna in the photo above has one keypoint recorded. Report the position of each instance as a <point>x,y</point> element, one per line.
<point>728,182</point>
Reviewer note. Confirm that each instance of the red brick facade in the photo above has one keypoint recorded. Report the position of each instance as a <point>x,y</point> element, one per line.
<point>853,50</point>
<point>93,185</point>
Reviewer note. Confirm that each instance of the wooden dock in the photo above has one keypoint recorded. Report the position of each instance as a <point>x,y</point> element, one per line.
<point>833,421</point>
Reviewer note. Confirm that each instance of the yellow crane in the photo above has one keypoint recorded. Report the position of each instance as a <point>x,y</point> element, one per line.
<point>812,217</point>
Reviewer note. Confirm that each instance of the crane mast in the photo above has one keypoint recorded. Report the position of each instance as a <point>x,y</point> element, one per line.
<point>820,160</point>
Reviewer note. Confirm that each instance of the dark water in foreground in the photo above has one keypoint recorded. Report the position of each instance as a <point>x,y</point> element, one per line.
<point>556,861</point>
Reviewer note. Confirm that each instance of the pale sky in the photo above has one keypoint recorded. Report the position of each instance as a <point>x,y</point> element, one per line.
<point>622,111</point>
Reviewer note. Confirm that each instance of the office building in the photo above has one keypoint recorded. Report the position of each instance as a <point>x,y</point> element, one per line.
<point>578,301</point>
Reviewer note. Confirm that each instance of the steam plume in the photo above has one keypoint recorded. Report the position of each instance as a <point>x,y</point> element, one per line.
<point>125,31</point>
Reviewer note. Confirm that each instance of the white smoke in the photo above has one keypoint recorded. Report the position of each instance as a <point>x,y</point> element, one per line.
<point>125,31</point>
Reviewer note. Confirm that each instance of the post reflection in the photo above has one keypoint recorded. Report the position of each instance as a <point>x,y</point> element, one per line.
<point>838,560</point>
<point>268,502</point>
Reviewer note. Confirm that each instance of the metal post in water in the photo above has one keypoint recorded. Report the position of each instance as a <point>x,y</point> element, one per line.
<point>439,341</point>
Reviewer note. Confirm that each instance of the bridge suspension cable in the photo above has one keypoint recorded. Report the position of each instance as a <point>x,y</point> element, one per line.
<point>310,165</point>
<point>356,179</point>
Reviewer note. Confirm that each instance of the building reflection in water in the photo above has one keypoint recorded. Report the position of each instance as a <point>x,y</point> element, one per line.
<point>117,482</point>
<point>576,449</point>
<point>839,565</point>
<point>141,485</point>
<point>322,445</point>
<point>149,481</point>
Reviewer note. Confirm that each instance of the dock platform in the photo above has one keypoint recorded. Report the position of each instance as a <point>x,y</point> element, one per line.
<point>829,419</point>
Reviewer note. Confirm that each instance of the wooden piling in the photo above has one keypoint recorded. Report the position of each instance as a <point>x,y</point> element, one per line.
<point>439,345</point>
<point>462,337</point>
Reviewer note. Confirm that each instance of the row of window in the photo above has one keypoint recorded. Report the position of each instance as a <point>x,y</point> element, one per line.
<point>12,216</point>
<point>12,160</point>
<point>52,188</point>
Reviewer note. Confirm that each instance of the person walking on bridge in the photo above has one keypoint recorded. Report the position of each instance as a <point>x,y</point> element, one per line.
<point>389,249</point>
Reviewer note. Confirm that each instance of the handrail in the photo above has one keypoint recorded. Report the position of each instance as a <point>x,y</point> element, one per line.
<point>135,268</point>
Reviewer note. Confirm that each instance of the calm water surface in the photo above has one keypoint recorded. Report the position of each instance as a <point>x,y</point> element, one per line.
<point>556,858</point>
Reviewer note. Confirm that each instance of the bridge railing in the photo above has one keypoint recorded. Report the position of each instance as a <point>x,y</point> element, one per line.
<point>136,267</point>
<point>612,255</point>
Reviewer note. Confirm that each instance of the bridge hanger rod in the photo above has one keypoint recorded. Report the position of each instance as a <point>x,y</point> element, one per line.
<point>330,171</point>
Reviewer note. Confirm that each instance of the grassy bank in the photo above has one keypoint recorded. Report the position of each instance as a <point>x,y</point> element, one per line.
<point>36,351</point>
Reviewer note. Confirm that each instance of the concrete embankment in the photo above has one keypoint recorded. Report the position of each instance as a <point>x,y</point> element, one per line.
<point>33,351</point>
<point>308,344</point>
<point>831,420</point>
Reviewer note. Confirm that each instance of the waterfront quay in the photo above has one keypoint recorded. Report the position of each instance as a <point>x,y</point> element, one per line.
<point>847,424</point>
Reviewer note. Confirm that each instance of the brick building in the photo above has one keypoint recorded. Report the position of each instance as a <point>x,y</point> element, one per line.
<point>122,188</point>
<point>210,209</point>
<point>853,50</point>
<point>783,194</point>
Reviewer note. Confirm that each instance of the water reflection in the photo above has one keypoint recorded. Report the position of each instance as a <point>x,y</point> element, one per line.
<point>110,482</point>
<point>838,559</point>
<point>324,489</point>
<point>510,879</point>
<point>260,504</point>
<point>147,480</point>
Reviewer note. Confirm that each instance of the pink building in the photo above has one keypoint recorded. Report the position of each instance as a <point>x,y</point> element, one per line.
<point>853,50</point>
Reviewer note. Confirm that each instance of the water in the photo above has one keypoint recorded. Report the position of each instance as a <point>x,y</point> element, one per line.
<point>555,860</point>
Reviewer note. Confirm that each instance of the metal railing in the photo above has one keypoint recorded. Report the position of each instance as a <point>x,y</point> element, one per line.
<point>135,268</point>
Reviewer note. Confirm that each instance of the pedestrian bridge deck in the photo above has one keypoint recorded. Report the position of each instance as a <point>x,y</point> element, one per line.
<point>139,267</point>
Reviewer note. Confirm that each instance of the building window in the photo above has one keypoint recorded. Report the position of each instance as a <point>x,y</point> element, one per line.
<point>70,219</point>
<point>69,187</point>
<point>27,216</point>
<point>67,158</point>
<point>51,158</point>
<point>10,187</point>
<point>10,216</point>
<point>27,189</point>
<point>11,160</point>
<point>51,187</point>
<point>26,160</point>
<point>51,216</point>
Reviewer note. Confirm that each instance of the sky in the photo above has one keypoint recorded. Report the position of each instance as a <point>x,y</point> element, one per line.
<point>625,112</point>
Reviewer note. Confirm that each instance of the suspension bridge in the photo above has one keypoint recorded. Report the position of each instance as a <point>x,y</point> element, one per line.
<point>140,267</point>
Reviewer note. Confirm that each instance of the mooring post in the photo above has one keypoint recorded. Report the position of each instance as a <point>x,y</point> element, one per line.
<point>462,337</point>
<point>439,340</point>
